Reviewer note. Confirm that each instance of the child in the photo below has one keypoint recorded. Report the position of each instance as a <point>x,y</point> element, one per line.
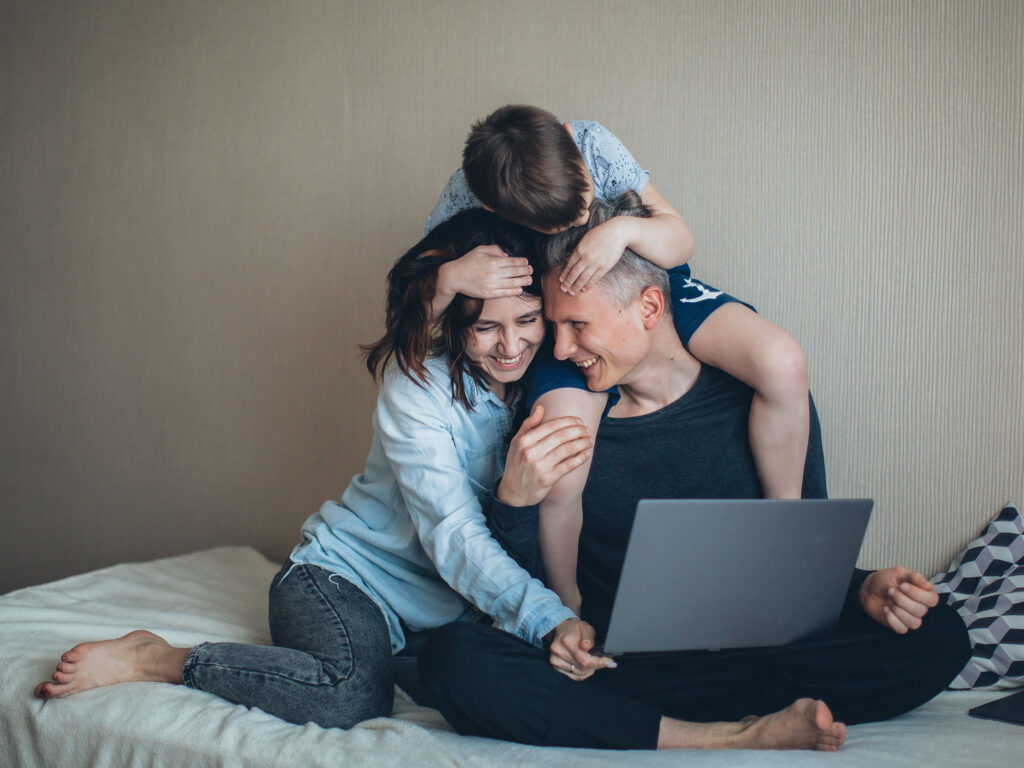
<point>523,164</point>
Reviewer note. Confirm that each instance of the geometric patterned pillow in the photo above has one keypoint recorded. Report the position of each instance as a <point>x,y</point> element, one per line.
<point>985,584</point>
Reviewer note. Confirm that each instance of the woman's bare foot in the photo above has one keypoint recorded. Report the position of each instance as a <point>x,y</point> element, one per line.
<point>139,656</point>
<point>804,724</point>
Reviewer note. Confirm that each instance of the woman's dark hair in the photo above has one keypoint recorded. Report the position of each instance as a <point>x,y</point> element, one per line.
<point>410,336</point>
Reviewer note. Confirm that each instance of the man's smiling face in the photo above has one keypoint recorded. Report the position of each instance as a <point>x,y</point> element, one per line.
<point>605,341</point>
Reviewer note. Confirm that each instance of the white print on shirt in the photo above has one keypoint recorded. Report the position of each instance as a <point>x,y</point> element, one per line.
<point>705,293</point>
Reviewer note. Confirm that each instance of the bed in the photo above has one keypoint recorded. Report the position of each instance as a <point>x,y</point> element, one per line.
<point>220,594</point>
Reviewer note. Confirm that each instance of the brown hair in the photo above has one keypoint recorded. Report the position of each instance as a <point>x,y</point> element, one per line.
<point>410,336</point>
<point>522,163</point>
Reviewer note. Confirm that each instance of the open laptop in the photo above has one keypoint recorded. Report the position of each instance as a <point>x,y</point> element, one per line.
<point>712,574</point>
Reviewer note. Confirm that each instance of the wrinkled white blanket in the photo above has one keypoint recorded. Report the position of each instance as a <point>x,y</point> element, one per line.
<point>220,594</point>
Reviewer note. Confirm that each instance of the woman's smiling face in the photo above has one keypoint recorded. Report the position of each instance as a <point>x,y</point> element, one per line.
<point>504,339</point>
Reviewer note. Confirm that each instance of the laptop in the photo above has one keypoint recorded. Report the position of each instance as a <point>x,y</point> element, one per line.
<point>708,574</point>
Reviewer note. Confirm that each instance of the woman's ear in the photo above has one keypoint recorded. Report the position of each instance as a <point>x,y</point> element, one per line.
<point>652,306</point>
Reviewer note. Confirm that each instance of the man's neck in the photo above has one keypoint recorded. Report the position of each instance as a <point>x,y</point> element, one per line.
<point>666,374</point>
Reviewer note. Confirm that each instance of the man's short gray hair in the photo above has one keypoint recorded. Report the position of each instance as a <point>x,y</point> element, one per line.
<point>631,274</point>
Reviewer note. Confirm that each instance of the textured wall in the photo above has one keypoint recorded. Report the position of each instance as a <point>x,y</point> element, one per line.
<point>199,201</point>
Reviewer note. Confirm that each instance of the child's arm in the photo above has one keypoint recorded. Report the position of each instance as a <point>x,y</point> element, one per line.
<point>486,272</point>
<point>766,358</point>
<point>663,239</point>
<point>561,511</point>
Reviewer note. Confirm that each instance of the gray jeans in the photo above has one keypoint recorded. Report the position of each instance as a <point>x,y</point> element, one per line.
<point>330,663</point>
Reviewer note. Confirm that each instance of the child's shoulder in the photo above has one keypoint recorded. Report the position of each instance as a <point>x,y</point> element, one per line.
<point>589,133</point>
<point>454,198</point>
<point>611,165</point>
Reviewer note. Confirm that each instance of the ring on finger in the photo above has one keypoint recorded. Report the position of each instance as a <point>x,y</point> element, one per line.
<point>572,668</point>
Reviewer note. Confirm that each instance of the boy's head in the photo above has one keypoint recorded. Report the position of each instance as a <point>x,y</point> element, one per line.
<point>521,163</point>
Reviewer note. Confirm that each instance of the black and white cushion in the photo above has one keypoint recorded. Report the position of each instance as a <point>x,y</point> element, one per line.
<point>985,584</point>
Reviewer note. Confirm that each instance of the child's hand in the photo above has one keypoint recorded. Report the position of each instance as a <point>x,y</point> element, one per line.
<point>597,252</point>
<point>486,272</point>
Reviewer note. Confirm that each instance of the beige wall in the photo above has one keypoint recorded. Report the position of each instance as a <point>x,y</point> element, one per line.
<point>199,202</point>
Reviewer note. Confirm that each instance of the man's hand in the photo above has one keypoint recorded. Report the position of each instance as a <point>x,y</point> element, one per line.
<point>486,272</point>
<point>598,251</point>
<point>539,455</point>
<point>897,598</point>
<point>571,643</point>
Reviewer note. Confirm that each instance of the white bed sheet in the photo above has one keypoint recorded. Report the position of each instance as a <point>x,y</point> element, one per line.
<point>220,594</point>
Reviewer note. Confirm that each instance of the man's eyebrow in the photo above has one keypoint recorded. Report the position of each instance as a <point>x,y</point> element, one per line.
<point>565,318</point>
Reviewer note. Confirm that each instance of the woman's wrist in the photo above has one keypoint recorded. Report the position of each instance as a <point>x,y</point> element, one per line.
<point>444,293</point>
<point>509,497</point>
<point>446,279</point>
<point>516,498</point>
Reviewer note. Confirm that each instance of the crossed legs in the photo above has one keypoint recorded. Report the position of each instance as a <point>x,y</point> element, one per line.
<point>489,683</point>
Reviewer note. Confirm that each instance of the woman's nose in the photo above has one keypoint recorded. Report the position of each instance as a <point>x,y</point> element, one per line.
<point>510,342</point>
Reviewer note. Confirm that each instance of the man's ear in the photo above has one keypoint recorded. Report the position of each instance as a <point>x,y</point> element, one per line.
<point>652,306</point>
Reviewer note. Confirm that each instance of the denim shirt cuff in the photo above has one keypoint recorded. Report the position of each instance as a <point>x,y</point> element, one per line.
<point>537,627</point>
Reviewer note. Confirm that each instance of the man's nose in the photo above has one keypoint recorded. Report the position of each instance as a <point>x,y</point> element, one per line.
<point>564,345</point>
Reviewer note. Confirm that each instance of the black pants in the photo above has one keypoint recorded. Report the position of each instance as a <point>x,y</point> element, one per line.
<point>489,683</point>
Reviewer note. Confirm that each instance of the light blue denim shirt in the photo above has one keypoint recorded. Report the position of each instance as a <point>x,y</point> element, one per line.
<point>410,530</point>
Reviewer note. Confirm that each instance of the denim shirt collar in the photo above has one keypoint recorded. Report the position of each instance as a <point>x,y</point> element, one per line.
<point>479,394</point>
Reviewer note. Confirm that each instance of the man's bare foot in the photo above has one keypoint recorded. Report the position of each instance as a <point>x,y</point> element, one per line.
<point>804,724</point>
<point>139,656</point>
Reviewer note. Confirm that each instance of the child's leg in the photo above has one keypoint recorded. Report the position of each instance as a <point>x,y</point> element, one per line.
<point>561,512</point>
<point>759,353</point>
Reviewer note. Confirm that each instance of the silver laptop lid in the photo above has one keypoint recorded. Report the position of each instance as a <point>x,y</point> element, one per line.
<point>710,574</point>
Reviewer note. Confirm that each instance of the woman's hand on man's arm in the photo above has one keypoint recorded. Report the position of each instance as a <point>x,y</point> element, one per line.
<point>540,454</point>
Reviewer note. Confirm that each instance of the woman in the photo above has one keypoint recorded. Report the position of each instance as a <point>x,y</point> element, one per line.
<point>407,549</point>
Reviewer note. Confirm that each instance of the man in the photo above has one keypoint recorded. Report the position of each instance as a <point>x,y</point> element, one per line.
<point>678,430</point>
